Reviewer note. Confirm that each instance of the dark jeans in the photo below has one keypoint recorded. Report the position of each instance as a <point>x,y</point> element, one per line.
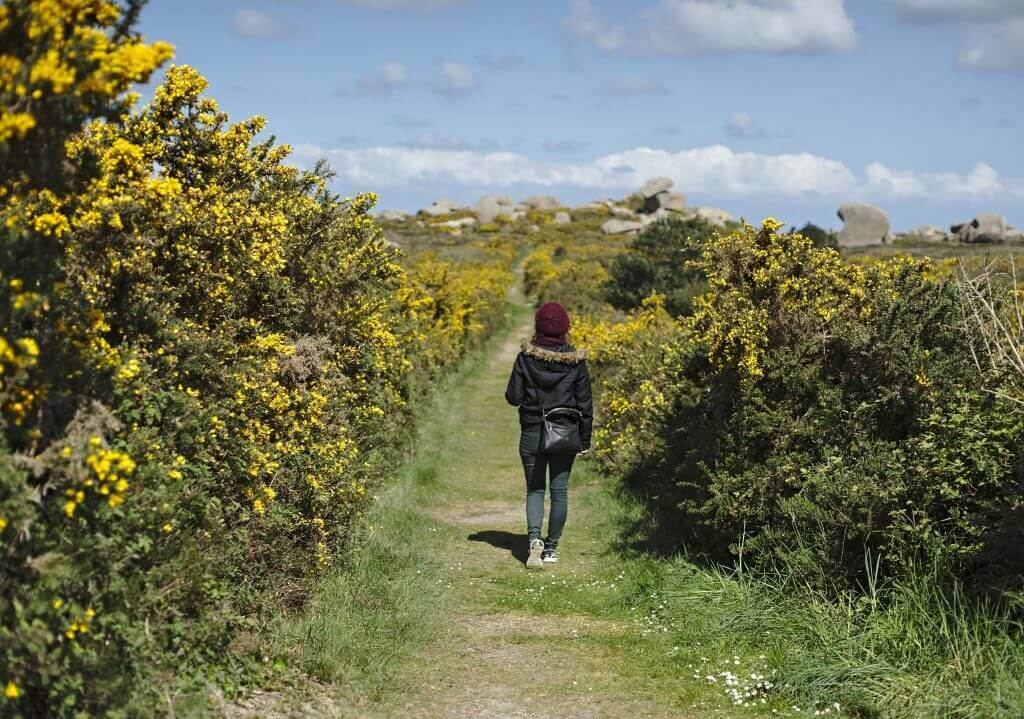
<point>536,465</point>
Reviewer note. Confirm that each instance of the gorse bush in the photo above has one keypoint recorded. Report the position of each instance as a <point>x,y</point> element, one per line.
<point>206,356</point>
<point>570,263</point>
<point>856,419</point>
<point>576,278</point>
<point>821,410</point>
<point>451,306</point>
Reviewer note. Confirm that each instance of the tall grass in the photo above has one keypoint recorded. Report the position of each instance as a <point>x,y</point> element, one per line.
<point>919,647</point>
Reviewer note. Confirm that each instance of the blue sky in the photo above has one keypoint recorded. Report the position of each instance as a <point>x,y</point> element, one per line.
<point>781,107</point>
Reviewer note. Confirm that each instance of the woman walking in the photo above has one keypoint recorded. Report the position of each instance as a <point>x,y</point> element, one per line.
<point>550,385</point>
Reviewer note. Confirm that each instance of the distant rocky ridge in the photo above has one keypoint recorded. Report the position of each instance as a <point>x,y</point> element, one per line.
<point>863,224</point>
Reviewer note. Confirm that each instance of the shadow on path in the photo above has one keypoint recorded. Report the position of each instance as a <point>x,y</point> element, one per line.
<point>514,542</point>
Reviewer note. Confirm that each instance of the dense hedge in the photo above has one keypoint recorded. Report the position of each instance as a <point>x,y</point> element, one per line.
<point>206,357</point>
<point>813,411</point>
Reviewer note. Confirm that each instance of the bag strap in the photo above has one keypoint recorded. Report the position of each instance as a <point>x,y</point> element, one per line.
<point>536,387</point>
<point>540,405</point>
<point>564,410</point>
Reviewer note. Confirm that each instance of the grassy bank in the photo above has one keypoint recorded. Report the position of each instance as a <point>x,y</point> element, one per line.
<point>915,647</point>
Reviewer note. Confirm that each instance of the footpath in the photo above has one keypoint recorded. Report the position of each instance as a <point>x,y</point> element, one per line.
<point>557,642</point>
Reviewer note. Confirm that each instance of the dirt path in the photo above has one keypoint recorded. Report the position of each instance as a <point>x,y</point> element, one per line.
<point>515,643</point>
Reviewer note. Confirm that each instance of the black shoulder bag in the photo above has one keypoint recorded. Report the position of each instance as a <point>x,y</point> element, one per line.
<point>557,437</point>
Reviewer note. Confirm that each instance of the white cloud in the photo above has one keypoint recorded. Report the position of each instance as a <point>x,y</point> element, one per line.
<point>453,79</point>
<point>958,9</point>
<point>716,170</point>
<point>256,24</point>
<point>393,74</point>
<point>740,124</point>
<point>994,46</point>
<point>680,27</point>
<point>586,23</point>
<point>994,29</point>
<point>980,183</point>
<point>385,80</point>
<point>687,27</point>
<point>632,85</point>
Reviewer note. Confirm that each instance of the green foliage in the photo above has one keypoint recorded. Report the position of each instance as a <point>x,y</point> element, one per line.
<point>659,261</point>
<point>878,439</point>
<point>822,410</point>
<point>818,235</point>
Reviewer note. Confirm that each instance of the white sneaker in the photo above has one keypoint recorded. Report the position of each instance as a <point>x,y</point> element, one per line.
<point>550,556</point>
<point>536,549</point>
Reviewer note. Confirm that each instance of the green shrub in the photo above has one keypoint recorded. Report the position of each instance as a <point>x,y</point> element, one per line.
<point>822,410</point>
<point>819,235</point>
<point>658,260</point>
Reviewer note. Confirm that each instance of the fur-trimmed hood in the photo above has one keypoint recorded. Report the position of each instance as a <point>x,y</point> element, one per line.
<point>570,357</point>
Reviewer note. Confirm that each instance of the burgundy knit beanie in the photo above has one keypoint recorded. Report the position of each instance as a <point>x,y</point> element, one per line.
<point>551,320</point>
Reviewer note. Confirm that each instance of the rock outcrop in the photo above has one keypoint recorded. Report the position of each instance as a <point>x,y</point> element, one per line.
<point>545,203</point>
<point>927,233</point>
<point>713,216</point>
<point>863,225</point>
<point>671,201</point>
<point>986,227</point>
<point>657,196</point>
<point>490,207</point>
<point>562,218</point>
<point>619,227</point>
<point>656,185</point>
<point>654,217</point>
<point>441,207</point>
<point>393,215</point>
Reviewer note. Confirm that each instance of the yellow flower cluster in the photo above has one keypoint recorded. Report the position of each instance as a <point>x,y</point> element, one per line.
<point>757,276</point>
<point>71,61</point>
<point>79,626</point>
<point>451,306</point>
<point>629,358</point>
<point>575,275</point>
<point>17,357</point>
<point>108,478</point>
<point>608,341</point>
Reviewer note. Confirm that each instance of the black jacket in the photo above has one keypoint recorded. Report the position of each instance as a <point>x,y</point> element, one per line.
<point>564,381</point>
